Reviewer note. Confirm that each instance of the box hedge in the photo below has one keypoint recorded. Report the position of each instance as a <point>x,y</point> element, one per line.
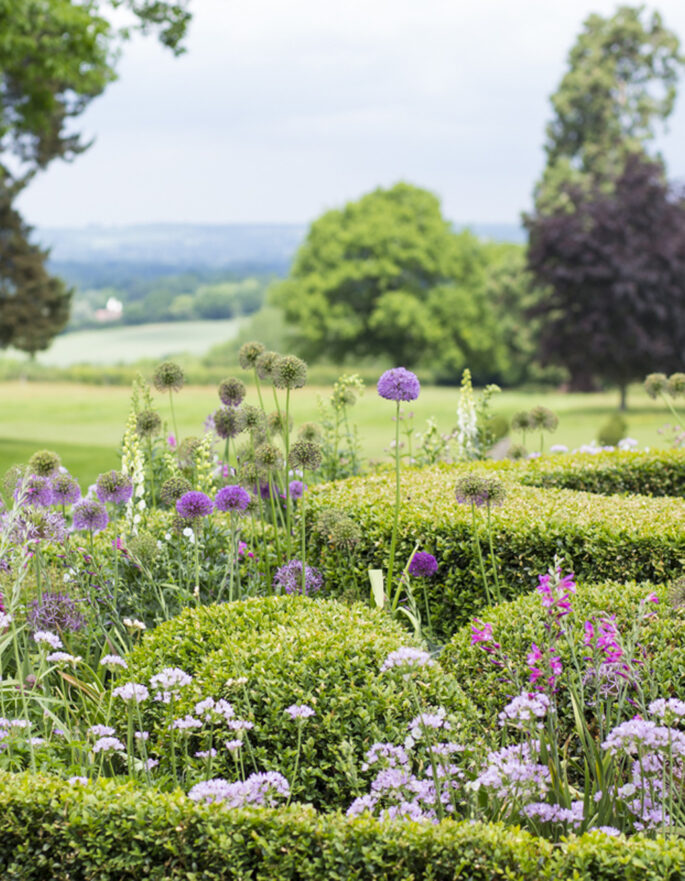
<point>292,650</point>
<point>53,831</point>
<point>599,537</point>
<point>518,624</point>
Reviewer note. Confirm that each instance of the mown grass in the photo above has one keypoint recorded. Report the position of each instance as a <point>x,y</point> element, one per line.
<point>84,423</point>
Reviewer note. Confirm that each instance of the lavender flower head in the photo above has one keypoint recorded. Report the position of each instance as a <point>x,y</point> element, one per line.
<point>423,565</point>
<point>65,489</point>
<point>289,578</point>
<point>232,498</point>
<point>131,691</point>
<point>300,711</point>
<point>296,489</point>
<point>194,504</point>
<point>114,486</point>
<point>34,490</point>
<point>258,789</point>
<point>399,384</point>
<point>91,515</point>
<point>406,658</point>
<point>54,612</point>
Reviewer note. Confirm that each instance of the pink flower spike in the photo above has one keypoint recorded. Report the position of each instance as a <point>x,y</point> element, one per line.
<point>651,598</point>
<point>171,440</point>
<point>482,635</point>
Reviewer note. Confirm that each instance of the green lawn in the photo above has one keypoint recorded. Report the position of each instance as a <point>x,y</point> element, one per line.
<point>126,345</point>
<point>84,423</point>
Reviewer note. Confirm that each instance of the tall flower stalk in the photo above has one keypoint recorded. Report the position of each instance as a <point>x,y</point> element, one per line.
<point>477,492</point>
<point>397,384</point>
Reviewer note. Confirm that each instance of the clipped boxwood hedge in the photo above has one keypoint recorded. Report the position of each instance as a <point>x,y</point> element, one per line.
<point>293,650</point>
<point>517,624</point>
<point>657,473</point>
<point>599,537</point>
<point>51,831</point>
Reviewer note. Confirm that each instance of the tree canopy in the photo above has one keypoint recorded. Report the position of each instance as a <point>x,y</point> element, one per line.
<point>621,81</point>
<point>55,57</point>
<point>614,270</point>
<point>387,276</point>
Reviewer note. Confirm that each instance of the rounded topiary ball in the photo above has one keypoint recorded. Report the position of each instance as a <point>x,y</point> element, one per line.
<point>293,650</point>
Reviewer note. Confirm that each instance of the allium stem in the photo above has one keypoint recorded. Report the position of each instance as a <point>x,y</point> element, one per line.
<point>173,419</point>
<point>493,559</point>
<point>479,553</point>
<point>302,532</point>
<point>670,406</point>
<point>259,390</point>
<point>288,501</point>
<point>393,540</point>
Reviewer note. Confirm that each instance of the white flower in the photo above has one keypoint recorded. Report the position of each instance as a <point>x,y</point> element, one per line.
<point>5,620</point>
<point>47,638</point>
<point>136,519</point>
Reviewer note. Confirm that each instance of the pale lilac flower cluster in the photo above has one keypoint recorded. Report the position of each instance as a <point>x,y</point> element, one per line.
<point>299,711</point>
<point>637,736</point>
<point>101,730</point>
<point>212,710</point>
<point>187,723</point>
<point>288,578</point>
<point>262,789</point>
<point>170,678</point>
<point>63,658</point>
<point>511,774</point>
<point>108,744</point>
<point>419,724</point>
<point>44,637</point>
<point>132,691</point>
<point>113,661</point>
<point>387,755</point>
<point>544,812</point>
<point>524,709</point>
<point>406,658</point>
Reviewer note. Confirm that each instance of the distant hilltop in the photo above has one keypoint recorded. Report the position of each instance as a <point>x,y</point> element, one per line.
<point>180,245</point>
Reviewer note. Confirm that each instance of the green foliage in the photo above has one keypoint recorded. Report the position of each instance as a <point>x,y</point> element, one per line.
<point>612,431</point>
<point>657,473</point>
<point>597,537</point>
<point>293,650</point>
<point>387,276</point>
<point>50,829</point>
<point>519,623</point>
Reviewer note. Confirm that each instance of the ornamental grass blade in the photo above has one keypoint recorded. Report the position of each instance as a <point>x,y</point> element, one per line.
<point>377,587</point>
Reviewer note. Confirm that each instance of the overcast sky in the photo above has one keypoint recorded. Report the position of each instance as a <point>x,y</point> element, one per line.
<point>282,109</point>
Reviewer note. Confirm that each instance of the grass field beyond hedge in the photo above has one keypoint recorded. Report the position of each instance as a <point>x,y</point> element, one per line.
<point>84,423</point>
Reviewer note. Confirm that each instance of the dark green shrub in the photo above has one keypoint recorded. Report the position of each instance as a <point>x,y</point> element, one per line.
<point>293,650</point>
<point>51,831</point>
<point>598,537</point>
<point>612,431</point>
<point>517,624</point>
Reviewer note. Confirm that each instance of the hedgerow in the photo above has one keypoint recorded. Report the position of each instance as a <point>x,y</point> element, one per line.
<point>598,537</point>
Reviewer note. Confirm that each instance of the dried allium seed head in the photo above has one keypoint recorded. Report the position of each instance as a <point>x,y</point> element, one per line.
<point>232,391</point>
<point>656,384</point>
<point>248,354</point>
<point>168,375</point>
<point>289,372</point>
<point>148,423</point>
<point>44,463</point>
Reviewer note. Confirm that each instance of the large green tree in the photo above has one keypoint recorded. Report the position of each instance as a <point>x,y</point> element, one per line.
<point>387,276</point>
<point>620,84</point>
<point>55,57</point>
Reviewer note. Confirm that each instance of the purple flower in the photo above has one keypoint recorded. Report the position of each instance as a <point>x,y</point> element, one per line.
<point>524,709</point>
<point>34,490</point>
<point>299,711</point>
<point>55,611</point>
<point>194,504</point>
<point>556,594</point>
<point>108,744</point>
<point>65,489</point>
<point>258,789</point>
<point>289,578</point>
<point>399,384</point>
<point>407,658</point>
<point>114,486</point>
<point>423,565</point>
<point>232,498</point>
<point>91,515</point>
<point>296,489</point>
<point>131,691</point>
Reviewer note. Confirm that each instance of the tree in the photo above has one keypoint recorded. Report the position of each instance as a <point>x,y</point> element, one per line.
<point>387,276</point>
<point>621,81</point>
<point>34,306</point>
<point>614,267</point>
<point>55,57</point>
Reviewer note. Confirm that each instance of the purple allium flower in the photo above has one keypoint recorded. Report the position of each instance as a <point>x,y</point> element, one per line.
<point>386,754</point>
<point>34,490</point>
<point>65,489</point>
<point>423,565</point>
<point>296,489</point>
<point>131,691</point>
<point>407,658</point>
<point>399,384</point>
<point>55,611</point>
<point>232,498</point>
<point>91,515</point>
<point>289,578</point>
<point>114,486</point>
<point>300,711</point>
<point>194,504</point>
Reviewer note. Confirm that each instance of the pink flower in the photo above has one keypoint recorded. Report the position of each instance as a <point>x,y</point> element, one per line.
<point>171,440</point>
<point>482,635</point>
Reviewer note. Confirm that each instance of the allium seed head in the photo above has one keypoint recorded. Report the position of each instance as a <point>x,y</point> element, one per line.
<point>228,421</point>
<point>265,364</point>
<point>248,354</point>
<point>148,423</point>
<point>289,372</point>
<point>44,463</point>
<point>168,376</point>
<point>90,515</point>
<point>656,384</point>
<point>173,488</point>
<point>676,386</point>
<point>114,486</point>
<point>232,391</point>
<point>269,457</point>
<point>305,454</point>
<point>65,489</point>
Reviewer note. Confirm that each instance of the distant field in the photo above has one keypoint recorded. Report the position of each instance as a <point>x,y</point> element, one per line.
<point>84,423</point>
<point>124,345</point>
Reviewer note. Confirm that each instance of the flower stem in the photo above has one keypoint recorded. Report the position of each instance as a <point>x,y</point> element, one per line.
<point>393,540</point>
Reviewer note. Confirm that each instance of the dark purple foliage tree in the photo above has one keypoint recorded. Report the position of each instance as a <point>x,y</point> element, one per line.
<point>613,264</point>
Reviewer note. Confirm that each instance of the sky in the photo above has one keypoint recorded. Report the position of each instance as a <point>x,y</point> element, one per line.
<point>282,110</point>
